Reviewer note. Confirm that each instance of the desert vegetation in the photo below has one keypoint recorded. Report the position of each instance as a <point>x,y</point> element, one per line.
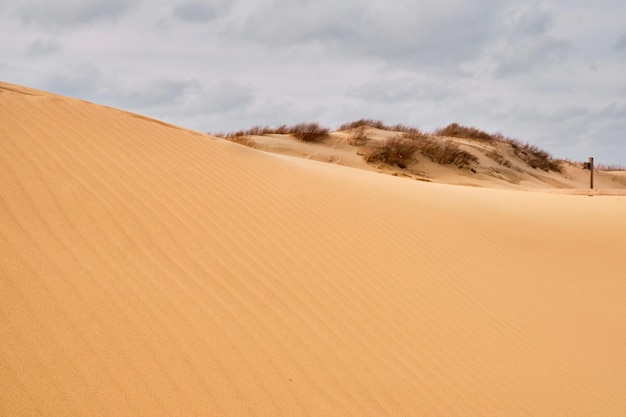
<point>609,167</point>
<point>398,151</point>
<point>376,124</point>
<point>401,150</point>
<point>358,137</point>
<point>445,152</point>
<point>243,140</point>
<point>307,132</point>
<point>531,155</point>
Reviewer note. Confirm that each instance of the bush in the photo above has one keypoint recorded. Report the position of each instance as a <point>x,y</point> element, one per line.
<point>534,156</point>
<point>499,158</point>
<point>309,132</point>
<point>376,124</point>
<point>242,140</point>
<point>458,131</point>
<point>445,152</point>
<point>358,137</point>
<point>393,151</point>
<point>609,167</point>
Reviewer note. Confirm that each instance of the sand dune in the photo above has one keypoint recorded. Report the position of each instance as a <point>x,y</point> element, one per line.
<point>149,270</point>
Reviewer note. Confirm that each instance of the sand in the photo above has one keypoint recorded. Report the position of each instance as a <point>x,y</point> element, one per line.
<point>148,270</point>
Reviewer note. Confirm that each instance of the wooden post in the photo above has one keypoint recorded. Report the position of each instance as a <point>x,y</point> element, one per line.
<point>591,170</point>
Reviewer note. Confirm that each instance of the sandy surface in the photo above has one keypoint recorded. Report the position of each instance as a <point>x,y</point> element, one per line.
<point>147,270</point>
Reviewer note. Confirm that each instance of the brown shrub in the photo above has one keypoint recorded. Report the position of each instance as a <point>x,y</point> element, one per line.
<point>445,152</point>
<point>282,130</point>
<point>242,140</point>
<point>456,130</point>
<point>376,124</point>
<point>358,137</point>
<point>362,123</point>
<point>397,151</point>
<point>499,158</point>
<point>609,167</point>
<point>309,132</point>
<point>534,157</point>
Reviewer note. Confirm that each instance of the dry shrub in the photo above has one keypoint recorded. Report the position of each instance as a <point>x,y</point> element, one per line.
<point>397,151</point>
<point>362,123</point>
<point>456,130</point>
<point>445,152</point>
<point>609,167</point>
<point>376,124</point>
<point>499,158</point>
<point>242,140</point>
<point>309,132</point>
<point>534,156</point>
<point>358,137</point>
<point>282,130</point>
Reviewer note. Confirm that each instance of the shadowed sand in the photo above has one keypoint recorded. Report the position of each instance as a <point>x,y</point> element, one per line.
<point>150,270</point>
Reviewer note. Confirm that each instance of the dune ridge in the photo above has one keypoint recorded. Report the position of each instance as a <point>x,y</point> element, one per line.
<point>150,270</point>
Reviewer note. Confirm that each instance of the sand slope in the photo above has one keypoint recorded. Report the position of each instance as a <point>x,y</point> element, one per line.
<point>148,270</point>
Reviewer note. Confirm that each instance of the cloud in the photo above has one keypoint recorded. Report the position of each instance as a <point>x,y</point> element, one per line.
<point>79,81</point>
<point>157,93</point>
<point>620,44</point>
<point>71,13</point>
<point>43,47</point>
<point>440,34</point>
<point>224,97</point>
<point>195,11</point>
<point>400,90</point>
<point>528,44</point>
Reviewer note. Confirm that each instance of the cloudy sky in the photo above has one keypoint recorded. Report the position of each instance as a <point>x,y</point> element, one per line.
<point>552,73</point>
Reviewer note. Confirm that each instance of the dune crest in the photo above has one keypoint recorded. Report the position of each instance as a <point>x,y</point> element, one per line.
<point>151,270</point>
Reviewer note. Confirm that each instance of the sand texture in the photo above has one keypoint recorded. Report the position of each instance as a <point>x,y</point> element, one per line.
<point>147,270</point>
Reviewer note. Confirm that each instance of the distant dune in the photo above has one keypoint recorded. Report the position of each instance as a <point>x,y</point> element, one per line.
<point>455,154</point>
<point>148,270</point>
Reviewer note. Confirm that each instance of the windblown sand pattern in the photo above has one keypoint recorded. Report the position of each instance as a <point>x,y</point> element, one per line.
<point>148,270</point>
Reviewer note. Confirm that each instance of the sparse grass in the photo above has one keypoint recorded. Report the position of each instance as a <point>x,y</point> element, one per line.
<point>309,132</point>
<point>400,151</point>
<point>609,167</point>
<point>395,151</point>
<point>445,152</point>
<point>242,140</point>
<point>499,158</point>
<point>456,130</point>
<point>533,156</point>
<point>358,137</point>
<point>376,124</point>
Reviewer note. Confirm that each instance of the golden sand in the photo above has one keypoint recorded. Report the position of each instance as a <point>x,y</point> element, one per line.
<point>148,270</point>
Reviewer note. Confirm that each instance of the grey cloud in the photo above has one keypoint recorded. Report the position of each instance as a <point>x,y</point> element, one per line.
<point>528,44</point>
<point>620,45</point>
<point>195,11</point>
<point>400,90</point>
<point>43,47</point>
<point>526,55</point>
<point>80,81</point>
<point>409,33</point>
<point>157,93</point>
<point>69,13</point>
<point>225,97</point>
